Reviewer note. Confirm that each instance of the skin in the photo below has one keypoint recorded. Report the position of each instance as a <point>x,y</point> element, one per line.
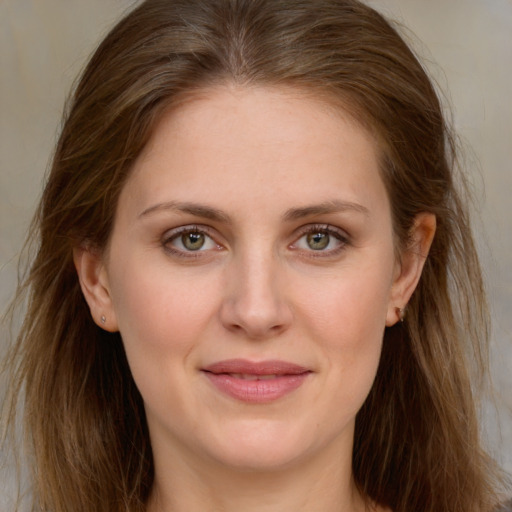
<point>252,172</point>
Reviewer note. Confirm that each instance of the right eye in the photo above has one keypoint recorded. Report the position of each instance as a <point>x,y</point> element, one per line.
<point>189,239</point>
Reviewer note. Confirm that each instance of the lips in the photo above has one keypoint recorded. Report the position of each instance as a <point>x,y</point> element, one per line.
<point>256,382</point>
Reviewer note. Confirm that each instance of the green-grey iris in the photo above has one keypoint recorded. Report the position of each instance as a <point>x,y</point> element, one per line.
<point>318,241</point>
<point>193,241</point>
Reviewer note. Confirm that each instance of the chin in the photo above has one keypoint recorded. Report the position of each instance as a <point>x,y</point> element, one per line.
<point>270,458</point>
<point>264,446</point>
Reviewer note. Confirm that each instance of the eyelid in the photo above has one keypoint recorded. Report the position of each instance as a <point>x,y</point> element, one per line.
<point>172,234</point>
<point>339,234</point>
<point>187,228</point>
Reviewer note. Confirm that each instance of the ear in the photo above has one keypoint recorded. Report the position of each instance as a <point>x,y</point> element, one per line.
<point>93,279</point>
<point>409,267</point>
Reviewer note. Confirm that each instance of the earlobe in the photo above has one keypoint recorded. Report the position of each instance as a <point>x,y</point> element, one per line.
<point>411,265</point>
<point>93,279</point>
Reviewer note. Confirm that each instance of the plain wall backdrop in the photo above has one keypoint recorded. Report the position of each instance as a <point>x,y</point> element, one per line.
<point>466,44</point>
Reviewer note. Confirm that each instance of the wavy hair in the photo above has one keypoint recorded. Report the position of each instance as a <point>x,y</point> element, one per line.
<point>417,445</point>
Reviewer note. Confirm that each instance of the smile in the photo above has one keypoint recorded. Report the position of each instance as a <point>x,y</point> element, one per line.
<point>256,383</point>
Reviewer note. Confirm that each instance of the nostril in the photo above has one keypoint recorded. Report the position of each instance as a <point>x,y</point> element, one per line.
<point>254,304</point>
<point>255,324</point>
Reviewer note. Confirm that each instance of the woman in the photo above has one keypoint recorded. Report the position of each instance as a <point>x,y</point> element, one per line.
<point>256,286</point>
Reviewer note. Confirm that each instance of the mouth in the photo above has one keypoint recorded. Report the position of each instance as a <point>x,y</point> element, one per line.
<point>256,382</point>
<point>248,376</point>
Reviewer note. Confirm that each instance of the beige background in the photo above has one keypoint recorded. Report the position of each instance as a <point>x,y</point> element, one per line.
<point>467,45</point>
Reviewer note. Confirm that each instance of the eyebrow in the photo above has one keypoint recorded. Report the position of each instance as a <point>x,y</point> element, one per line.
<point>198,210</point>
<point>324,208</point>
<point>210,213</point>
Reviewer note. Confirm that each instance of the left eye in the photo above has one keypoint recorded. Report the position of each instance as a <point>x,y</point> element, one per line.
<point>191,241</point>
<point>320,239</point>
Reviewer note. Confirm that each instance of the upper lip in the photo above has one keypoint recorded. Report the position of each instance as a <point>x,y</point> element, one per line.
<point>243,366</point>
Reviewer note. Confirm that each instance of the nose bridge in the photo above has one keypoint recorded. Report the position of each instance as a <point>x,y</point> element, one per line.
<point>254,301</point>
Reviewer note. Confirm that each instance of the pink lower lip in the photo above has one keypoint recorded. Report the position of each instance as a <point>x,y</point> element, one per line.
<point>256,391</point>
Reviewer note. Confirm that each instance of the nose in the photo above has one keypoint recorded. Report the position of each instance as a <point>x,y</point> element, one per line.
<point>254,303</point>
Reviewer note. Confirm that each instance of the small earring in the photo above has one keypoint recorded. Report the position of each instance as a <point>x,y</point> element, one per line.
<point>103,319</point>
<point>401,314</point>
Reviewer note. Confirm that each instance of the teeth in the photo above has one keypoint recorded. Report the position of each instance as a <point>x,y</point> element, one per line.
<point>246,376</point>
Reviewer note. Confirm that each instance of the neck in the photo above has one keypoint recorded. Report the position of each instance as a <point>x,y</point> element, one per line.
<point>316,485</point>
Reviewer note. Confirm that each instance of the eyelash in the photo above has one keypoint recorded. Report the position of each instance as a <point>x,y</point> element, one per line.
<point>174,234</point>
<point>341,236</point>
<point>312,229</point>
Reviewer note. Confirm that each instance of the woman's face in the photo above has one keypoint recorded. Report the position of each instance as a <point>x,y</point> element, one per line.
<point>251,273</point>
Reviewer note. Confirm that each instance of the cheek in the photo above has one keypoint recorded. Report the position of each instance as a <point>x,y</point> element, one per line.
<point>161,321</point>
<point>349,305</point>
<point>160,315</point>
<point>347,318</point>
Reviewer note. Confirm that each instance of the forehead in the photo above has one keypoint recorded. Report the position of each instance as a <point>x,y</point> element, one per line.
<point>257,140</point>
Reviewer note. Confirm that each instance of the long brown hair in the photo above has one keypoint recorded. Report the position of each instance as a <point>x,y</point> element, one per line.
<point>417,444</point>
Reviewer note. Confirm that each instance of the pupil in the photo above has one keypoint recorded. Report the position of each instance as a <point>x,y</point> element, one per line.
<point>193,241</point>
<point>318,241</point>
